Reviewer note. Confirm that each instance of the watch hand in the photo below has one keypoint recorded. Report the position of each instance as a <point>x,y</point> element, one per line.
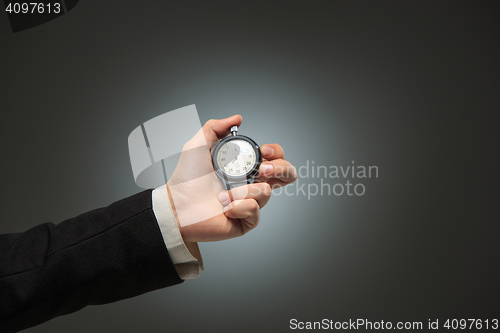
<point>236,151</point>
<point>234,158</point>
<point>230,159</point>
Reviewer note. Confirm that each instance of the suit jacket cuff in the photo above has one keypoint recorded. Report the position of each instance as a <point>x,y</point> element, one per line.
<point>183,255</point>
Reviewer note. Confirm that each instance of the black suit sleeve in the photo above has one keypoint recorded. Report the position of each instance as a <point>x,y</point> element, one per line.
<point>101,256</point>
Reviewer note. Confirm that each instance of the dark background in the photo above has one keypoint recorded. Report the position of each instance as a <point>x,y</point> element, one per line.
<point>411,87</point>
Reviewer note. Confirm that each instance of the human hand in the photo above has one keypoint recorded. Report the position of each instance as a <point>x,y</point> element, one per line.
<point>205,211</point>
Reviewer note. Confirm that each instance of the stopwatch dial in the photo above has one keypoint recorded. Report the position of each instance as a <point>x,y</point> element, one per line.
<point>236,158</point>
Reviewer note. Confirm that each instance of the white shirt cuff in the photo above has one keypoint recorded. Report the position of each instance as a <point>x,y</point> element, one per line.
<point>187,266</point>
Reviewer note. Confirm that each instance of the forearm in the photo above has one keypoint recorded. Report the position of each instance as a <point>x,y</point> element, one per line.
<point>98,257</point>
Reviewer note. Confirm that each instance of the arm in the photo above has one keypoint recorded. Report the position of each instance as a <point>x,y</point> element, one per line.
<point>121,251</point>
<point>98,257</point>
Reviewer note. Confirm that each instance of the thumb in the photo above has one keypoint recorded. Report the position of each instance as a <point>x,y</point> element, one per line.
<point>216,129</point>
<point>212,131</point>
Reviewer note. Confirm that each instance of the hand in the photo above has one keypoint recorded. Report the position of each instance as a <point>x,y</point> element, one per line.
<point>205,211</point>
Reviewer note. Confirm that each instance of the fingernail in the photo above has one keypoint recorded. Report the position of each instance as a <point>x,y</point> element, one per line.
<point>266,150</point>
<point>224,197</point>
<point>266,168</point>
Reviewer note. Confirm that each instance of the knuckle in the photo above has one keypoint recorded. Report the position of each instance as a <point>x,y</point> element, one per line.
<point>282,150</point>
<point>279,149</point>
<point>265,189</point>
<point>210,122</point>
<point>292,172</point>
<point>253,207</point>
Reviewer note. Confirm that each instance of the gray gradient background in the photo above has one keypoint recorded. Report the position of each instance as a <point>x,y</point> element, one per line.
<point>411,87</point>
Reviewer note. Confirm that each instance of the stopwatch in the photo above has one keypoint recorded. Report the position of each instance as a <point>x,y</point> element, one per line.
<point>236,159</point>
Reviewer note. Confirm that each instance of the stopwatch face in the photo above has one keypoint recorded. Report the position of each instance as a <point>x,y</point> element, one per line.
<point>236,157</point>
